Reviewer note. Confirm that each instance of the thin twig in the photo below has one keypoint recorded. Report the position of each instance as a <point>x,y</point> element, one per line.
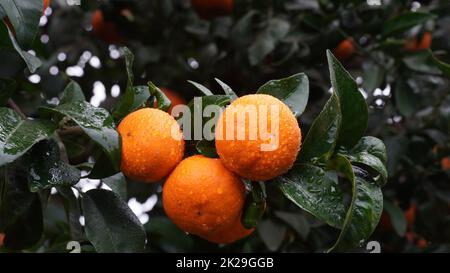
<point>16,108</point>
<point>75,130</point>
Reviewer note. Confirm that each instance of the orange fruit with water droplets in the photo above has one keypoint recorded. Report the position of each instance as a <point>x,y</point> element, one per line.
<point>203,198</point>
<point>152,145</point>
<point>344,50</point>
<point>258,137</point>
<point>174,98</point>
<point>230,234</point>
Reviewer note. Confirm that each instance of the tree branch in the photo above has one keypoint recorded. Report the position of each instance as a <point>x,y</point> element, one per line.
<point>16,108</point>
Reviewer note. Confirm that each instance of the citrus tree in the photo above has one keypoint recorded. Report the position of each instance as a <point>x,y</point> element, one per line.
<point>80,166</point>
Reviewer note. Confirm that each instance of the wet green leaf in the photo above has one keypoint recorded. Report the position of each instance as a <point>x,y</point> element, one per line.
<point>162,100</point>
<point>72,93</point>
<point>404,22</point>
<point>118,184</point>
<point>352,104</point>
<point>111,226</point>
<point>46,169</point>
<point>321,139</point>
<point>96,123</point>
<point>365,209</point>
<point>17,135</point>
<point>311,189</point>
<point>293,91</point>
<point>207,148</point>
<point>255,206</point>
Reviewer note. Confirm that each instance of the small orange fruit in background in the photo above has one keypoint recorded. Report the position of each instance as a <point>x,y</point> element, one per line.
<point>152,145</point>
<point>173,97</point>
<point>203,198</point>
<point>46,4</point>
<point>344,50</point>
<point>410,215</point>
<point>2,238</point>
<point>416,45</point>
<point>445,163</point>
<point>245,156</point>
<point>105,30</point>
<point>209,9</point>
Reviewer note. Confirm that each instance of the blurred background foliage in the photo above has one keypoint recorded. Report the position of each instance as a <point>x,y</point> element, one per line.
<point>385,47</point>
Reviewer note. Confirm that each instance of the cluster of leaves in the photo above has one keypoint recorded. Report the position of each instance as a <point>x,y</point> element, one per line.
<point>407,95</point>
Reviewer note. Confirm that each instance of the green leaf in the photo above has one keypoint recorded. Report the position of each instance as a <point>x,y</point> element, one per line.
<point>405,21</point>
<point>322,137</point>
<point>73,211</point>
<point>227,89</point>
<point>444,67</point>
<point>103,167</point>
<point>406,101</point>
<point>32,62</point>
<point>162,100</point>
<point>311,189</point>
<point>118,184</point>
<point>141,95</point>
<point>397,217</point>
<point>196,107</point>
<point>110,224</point>
<point>96,123</point>
<point>205,91</point>
<point>293,91</point>
<point>365,208</point>
<point>46,169</point>
<point>255,206</point>
<point>352,104</point>
<point>371,152</point>
<point>18,135</point>
<point>267,41</point>
<point>133,97</point>
<point>272,234</point>
<point>7,87</point>
<point>297,221</point>
<point>24,17</point>
<point>422,62</point>
<point>167,236</point>
<point>207,148</point>
<point>27,229</point>
<point>20,211</point>
<point>72,93</point>
<point>373,76</point>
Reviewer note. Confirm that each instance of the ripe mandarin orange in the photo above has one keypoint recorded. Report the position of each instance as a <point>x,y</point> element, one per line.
<point>105,30</point>
<point>230,234</point>
<point>261,154</point>
<point>344,50</point>
<point>173,97</point>
<point>209,9</point>
<point>416,45</point>
<point>202,197</point>
<point>152,145</point>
